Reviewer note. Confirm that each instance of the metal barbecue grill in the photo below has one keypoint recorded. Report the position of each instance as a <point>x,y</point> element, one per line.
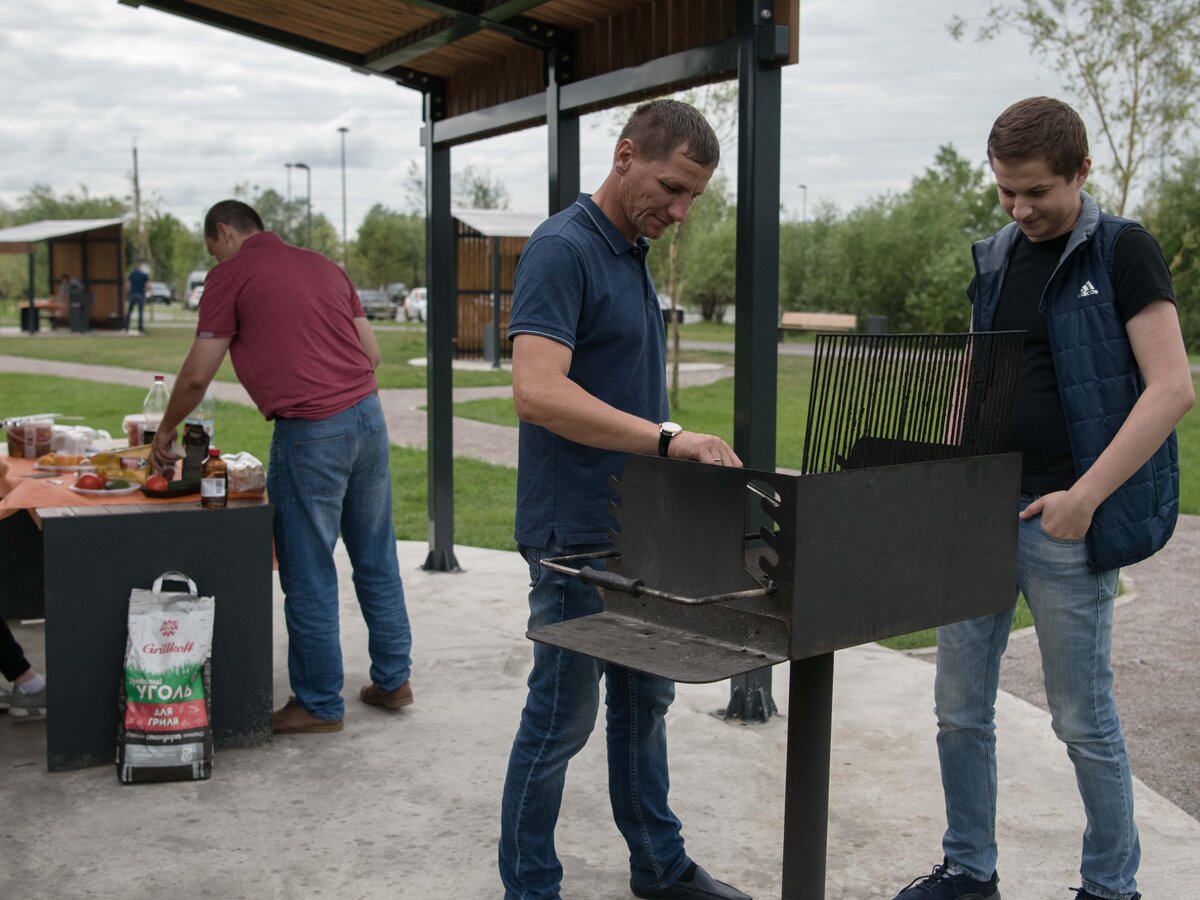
<point>903,517</point>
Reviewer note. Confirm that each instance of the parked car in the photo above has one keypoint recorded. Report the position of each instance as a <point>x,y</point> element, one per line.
<point>397,290</point>
<point>195,287</point>
<point>414,306</point>
<point>376,303</point>
<point>159,292</point>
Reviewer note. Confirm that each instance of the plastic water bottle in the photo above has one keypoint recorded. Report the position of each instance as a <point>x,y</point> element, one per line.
<point>204,414</point>
<point>153,408</point>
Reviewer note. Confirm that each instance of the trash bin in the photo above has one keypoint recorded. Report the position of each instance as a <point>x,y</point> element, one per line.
<point>78,318</point>
<point>30,319</point>
<point>876,324</point>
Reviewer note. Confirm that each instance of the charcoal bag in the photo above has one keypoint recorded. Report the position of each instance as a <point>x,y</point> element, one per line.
<point>165,698</point>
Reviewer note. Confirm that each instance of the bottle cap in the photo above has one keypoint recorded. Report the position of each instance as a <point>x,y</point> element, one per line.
<point>214,451</point>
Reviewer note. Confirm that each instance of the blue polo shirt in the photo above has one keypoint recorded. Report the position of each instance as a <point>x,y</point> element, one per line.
<point>580,282</point>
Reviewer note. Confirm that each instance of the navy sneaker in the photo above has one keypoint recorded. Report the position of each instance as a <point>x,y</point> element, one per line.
<point>1088,895</point>
<point>941,885</point>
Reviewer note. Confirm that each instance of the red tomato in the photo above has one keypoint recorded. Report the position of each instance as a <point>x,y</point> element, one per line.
<point>90,482</point>
<point>156,483</point>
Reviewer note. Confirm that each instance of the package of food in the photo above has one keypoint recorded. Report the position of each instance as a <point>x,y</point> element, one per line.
<point>76,440</point>
<point>246,473</point>
<point>165,731</point>
<point>30,437</point>
<point>130,464</point>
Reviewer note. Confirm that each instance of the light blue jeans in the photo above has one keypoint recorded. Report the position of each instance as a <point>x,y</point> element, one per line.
<point>328,476</point>
<point>559,714</point>
<point>1073,614</point>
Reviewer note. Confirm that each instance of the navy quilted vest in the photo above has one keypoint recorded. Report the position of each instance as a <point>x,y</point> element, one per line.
<point>1098,380</point>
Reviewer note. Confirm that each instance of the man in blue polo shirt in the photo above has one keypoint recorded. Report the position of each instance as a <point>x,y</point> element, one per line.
<point>589,383</point>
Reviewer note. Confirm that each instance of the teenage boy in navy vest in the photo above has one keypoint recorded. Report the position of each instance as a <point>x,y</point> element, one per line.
<point>1104,380</point>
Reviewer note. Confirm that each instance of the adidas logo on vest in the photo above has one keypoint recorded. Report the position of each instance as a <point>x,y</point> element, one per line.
<point>1088,290</point>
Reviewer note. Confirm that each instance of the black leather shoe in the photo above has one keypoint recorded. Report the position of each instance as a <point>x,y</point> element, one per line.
<point>702,887</point>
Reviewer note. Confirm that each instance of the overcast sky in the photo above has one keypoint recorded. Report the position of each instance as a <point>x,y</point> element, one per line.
<point>879,86</point>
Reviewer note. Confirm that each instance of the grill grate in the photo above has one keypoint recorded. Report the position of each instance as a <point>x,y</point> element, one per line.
<point>889,399</point>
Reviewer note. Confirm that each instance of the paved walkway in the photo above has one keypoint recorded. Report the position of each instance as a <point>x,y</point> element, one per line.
<point>406,806</point>
<point>883,706</point>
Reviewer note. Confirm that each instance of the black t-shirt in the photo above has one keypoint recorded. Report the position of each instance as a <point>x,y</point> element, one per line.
<point>1140,276</point>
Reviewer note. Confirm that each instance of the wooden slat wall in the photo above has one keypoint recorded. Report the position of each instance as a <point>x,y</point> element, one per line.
<point>474,305</point>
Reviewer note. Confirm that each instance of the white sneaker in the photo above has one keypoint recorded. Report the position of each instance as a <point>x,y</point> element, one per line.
<point>27,706</point>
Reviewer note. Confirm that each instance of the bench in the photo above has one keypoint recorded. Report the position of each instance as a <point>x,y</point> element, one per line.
<point>817,321</point>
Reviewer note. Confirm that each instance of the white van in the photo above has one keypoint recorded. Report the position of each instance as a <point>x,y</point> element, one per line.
<point>195,287</point>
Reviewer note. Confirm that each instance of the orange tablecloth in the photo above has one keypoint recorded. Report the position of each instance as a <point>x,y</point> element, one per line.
<point>20,492</point>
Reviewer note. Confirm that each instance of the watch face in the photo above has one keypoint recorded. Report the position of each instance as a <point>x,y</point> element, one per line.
<point>671,428</point>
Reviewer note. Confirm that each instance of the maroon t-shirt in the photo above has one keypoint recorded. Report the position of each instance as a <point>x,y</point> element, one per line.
<point>291,315</point>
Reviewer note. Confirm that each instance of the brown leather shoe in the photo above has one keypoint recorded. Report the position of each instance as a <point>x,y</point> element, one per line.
<point>401,696</point>
<point>293,718</point>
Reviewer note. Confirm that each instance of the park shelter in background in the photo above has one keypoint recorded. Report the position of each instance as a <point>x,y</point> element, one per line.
<point>488,244</point>
<point>89,251</point>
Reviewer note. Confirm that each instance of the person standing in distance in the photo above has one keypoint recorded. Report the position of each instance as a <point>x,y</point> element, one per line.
<point>302,347</point>
<point>589,384</point>
<point>138,279</point>
<point>1104,380</point>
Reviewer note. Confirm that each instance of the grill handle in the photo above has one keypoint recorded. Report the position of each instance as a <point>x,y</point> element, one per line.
<point>635,586</point>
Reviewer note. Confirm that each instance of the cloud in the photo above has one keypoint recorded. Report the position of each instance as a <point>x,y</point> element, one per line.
<point>879,87</point>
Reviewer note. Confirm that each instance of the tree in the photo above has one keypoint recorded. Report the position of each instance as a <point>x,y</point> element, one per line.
<point>1132,63</point>
<point>389,247</point>
<point>470,188</point>
<point>1172,214</point>
<point>175,250</point>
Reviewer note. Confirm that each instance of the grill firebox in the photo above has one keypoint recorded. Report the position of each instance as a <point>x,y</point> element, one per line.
<point>903,517</point>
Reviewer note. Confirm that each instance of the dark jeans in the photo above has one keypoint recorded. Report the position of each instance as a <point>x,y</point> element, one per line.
<point>138,300</point>
<point>13,663</point>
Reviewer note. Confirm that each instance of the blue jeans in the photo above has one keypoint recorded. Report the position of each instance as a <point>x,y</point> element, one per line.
<point>1073,614</point>
<point>326,476</point>
<point>559,714</point>
<point>138,300</point>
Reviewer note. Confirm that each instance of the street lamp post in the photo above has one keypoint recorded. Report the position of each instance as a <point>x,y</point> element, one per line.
<point>307,198</point>
<point>342,131</point>
<point>804,203</point>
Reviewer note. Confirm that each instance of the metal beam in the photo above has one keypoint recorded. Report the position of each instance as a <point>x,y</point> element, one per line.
<point>439,351</point>
<point>455,27</point>
<point>679,70</point>
<point>562,135</point>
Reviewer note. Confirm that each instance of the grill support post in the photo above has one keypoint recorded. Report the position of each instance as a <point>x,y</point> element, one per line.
<point>806,795</point>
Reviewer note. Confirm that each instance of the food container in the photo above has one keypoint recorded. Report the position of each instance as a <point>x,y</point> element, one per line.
<point>133,426</point>
<point>29,438</point>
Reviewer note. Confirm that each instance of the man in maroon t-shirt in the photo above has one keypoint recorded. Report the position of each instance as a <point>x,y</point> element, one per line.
<point>302,347</point>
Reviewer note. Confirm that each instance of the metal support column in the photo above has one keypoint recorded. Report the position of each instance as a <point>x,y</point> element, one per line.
<point>806,794</point>
<point>439,348</point>
<point>494,336</point>
<point>562,134</point>
<point>757,303</point>
<point>32,321</point>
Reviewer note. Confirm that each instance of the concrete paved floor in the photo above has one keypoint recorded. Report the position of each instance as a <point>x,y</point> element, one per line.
<point>406,805</point>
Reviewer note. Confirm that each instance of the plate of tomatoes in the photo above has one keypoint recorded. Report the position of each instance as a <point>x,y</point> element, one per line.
<point>91,484</point>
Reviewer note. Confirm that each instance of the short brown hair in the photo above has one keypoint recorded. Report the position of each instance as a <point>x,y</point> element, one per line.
<point>239,216</point>
<point>661,127</point>
<point>1040,128</point>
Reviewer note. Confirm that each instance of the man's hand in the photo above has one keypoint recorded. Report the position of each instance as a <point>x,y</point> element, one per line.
<point>163,453</point>
<point>1064,516</point>
<point>703,448</point>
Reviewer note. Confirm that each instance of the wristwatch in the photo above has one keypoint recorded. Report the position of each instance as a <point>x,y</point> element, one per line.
<point>666,431</point>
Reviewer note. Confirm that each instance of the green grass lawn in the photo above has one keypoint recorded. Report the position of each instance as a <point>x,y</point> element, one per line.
<point>163,348</point>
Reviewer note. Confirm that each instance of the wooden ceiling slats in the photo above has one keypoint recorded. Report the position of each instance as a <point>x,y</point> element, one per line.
<point>485,68</point>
